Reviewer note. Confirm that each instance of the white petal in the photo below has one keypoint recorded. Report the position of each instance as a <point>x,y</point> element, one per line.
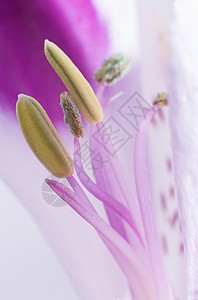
<point>184,125</point>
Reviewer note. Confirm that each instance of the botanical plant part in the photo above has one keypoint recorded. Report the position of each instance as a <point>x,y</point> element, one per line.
<point>130,234</point>
<point>113,69</point>
<point>81,91</point>
<point>42,137</point>
<point>72,115</point>
<point>161,98</point>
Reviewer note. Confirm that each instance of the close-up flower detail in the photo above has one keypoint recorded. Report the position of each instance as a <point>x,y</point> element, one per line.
<point>161,98</point>
<point>77,85</point>
<point>99,151</point>
<point>72,115</point>
<point>137,250</point>
<point>42,137</point>
<point>113,69</point>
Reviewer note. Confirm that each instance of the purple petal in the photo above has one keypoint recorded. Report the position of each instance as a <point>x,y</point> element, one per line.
<point>146,206</point>
<point>73,25</point>
<point>136,272</point>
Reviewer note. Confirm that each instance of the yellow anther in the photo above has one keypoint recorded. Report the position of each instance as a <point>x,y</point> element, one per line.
<point>42,137</point>
<point>80,90</point>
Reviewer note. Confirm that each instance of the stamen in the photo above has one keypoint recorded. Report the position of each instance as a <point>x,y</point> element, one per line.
<point>72,115</point>
<point>77,85</point>
<point>113,69</point>
<point>161,98</point>
<point>43,138</point>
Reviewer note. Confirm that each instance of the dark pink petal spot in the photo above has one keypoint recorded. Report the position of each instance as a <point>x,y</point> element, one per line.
<point>163,202</point>
<point>161,115</point>
<point>181,248</point>
<point>172,192</point>
<point>174,219</point>
<point>169,164</point>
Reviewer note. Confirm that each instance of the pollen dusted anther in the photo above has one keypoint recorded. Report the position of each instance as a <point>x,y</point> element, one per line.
<point>113,69</point>
<point>72,115</point>
<point>161,98</point>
